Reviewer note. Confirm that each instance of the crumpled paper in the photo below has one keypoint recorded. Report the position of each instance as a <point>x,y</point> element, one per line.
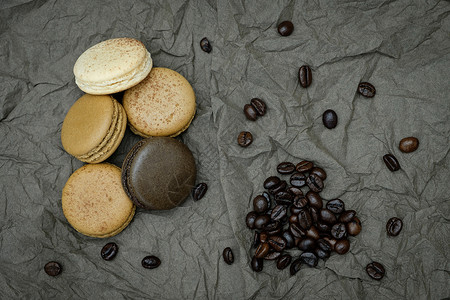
<point>401,47</point>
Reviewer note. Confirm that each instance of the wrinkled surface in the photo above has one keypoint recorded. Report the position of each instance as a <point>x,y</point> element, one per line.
<point>401,47</point>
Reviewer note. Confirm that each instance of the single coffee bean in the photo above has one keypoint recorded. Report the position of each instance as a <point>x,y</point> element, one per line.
<point>259,106</point>
<point>282,187</point>
<point>228,255</point>
<point>263,237</point>
<point>273,228</point>
<point>267,196</point>
<point>321,253</point>
<point>313,233</point>
<point>354,226</point>
<point>315,183</point>
<point>52,268</point>
<point>309,258</point>
<point>314,212</point>
<point>150,262</point>
<point>394,226</point>
<point>305,76</point>
<point>307,244</point>
<point>205,45</point>
<point>273,255</point>
<point>294,191</point>
<point>260,204</point>
<point>293,219</point>
<point>298,180</point>
<point>408,144</point>
<point>199,191</point>
<point>272,182</point>
<point>277,243</point>
<point>250,112</point>
<point>109,251</point>
<point>336,206</point>
<point>283,261</point>
<point>304,219</point>
<point>314,199</point>
<point>304,166</point>
<point>319,172</point>
<point>391,162</point>
<point>296,230</point>
<point>289,239</point>
<point>327,216</point>
<point>261,221</point>
<point>250,219</point>
<point>323,227</point>
<point>278,212</point>
<point>366,89</point>
<point>262,250</point>
<point>285,28</point>
<point>347,216</point>
<point>338,231</point>
<point>331,241</point>
<point>284,197</point>
<point>295,266</point>
<point>329,119</point>
<point>257,264</point>
<point>256,239</point>
<point>244,139</point>
<point>375,270</point>
<point>286,168</point>
<point>342,246</point>
<point>324,245</point>
<point>295,210</point>
<point>300,202</point>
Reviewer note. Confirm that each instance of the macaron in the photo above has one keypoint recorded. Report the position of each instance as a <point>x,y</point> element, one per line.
<point>94,202</point>
<point>163,104</point>
<point>93,128</point>
<point>158,173</point>
<point>112,66</point>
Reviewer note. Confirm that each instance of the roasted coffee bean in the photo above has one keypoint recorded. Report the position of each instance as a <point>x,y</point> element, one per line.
<point>391,162</point>
<point>319,172</point>
<point>250,112</point>
<point>342,246</point>
<point>314,199</point>
<point>338,231</point>
<point>278,212</point>
<point>305,76</point>
<point>272,255</point>
<point>228,255</point>
<point>307,244</point>
<point>273,228</point>
<point>286,168</point>
<point>283,261</point>
<point>250,219</point>
<point>324,245</point>
<point>298,179</point>
<point>329,119</point>
<point>296,230</point>
<point>293,219</point>
<point>336,206</point>
<point>256,239</point>
<point>244,139</point>
<point>304,219</point>
<point>199,191</point>
<point>314,212</point>
<point>300,202</point>
<point>294,191</point>
<point>284,196</point>
<point>282,187</point>
<point>323,227</point>
<point>263,237</point>
<point>285,28</point>
<point>347,216</point>
<point>354,226</point>
<point>366,89</point>
<point>277,243</point>
<point>257,264</point>
<point>261,221</point>
<point>205,45</point>
<point>260,204</point>
<point>321,253</point>
<point>259,106</point>
<point>331,241</point>
<point>109,251</point>
<point>408,144</point>
<point>289,239</point>
<point>52,268</point>
<point>394,226</point>
<point>309,258</point>
<point>262,250</point>
<point>304,166</point>
<point>267,196</point>
<point>295,210</point>
<point>272,182</point>
<point>313,233</point>
<point>375,270</point>
<point>150,262</point>
<point>314,183</point>
<point>327,216</point>
<point>295,266</point>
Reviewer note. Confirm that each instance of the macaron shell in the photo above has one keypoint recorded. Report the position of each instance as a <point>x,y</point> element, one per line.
<point>163,104</point>
<point>94,202</point>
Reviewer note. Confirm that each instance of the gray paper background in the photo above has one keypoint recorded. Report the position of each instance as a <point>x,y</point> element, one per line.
<point>402,47</point>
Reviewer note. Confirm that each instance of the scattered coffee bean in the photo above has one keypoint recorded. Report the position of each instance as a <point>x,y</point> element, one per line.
<point>319,172</point>
<point>327,216</point>
<point>283,261</point>
<point>250,112</point>
<point>294,191</point>
<point>408,144</point>
<point>304,166</point>
<point>298,180</point>
<point>336,206</point>
<point>314,199</point>
<point>272,255</point>
<point>261,221</point>
<point>366,89</point>
<point>257,264</point>
<point>281,187</point>
<point>256,239</point>
<point>313,233</point>
<point>304,219</point>
<point>295,266</point>
<point>314,183</point>
<point>394,226</point>
<point>109,251</point>
<point>375,270</point>
<point>339,231</point>
<point>52,268</point>
<point>354,226</point>
<point>277,243</point>
<point>307,244</point>
<point>309,259</point>
<point>289,239</point>
<point>199,191</point>
<point>150,262</point>
<point>285,28</point>
<point>296,230</point>
<point>278,212</point>
<point>391,162</point>
<point>323,227</point>
<point>347,216</point>
<point>205,45</point>
<point>331,241</point>
<point>314,212</point>
<point>260,204</point>
<point>250,219</point>
<point>305,76</point>
<point>244,139</point>
<point>342,246</point>
<point>259,106</point>
<point>272,182</point>
<point>228,255</point>
<point>262,250</point>
<point>300,202</point>
<point>330,119</point>
<point>321,253</point>
<point>286,168</point>
<point>324,245</point>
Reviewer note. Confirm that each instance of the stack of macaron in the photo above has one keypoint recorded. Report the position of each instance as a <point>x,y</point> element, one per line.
<point>99,199</point>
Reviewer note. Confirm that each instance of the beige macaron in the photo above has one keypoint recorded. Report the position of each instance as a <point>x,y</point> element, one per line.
<point>163,104</point>
<point>93,128</point>
<point>112,66</point>
<point>94,202</point>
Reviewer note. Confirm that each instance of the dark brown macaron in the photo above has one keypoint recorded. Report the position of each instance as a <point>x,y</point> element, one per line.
<point>158,173</point>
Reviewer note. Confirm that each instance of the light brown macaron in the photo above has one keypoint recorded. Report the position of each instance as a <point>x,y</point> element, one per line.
<point>94,202</point>
<point>93,128</point>
<point>112,66</point>
<point>163,104</point>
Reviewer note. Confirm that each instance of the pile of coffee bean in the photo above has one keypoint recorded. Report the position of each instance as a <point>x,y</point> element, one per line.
<point>292,215</point>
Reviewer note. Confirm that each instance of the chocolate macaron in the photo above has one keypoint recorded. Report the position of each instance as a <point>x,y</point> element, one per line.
<point>158,173</point>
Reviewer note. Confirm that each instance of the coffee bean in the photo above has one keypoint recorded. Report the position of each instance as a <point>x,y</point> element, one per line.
<point>256,239</point>
<point>273,255</point>
<point>260,204</point>
<point>205,45</point>
<point>304,166</point>
<point>244,139</point>
<point>267,196</point>
<point>250,219</point>
<point>109,251</point>
<point>375,270</point>
<point>329,119</point>
<point>285,28</point>
<point>394,226</point>
<point>294,210</point>
<point>283,261</point>
<point>314,183</point>
<point>298,180</point>
<point>338,231</point>
<point>313,233</point>
<point>314,212</point>
<point>391,162</point>
<point>347,216</point>
<point>295,266</point>
<point>408,144</point>
<point>151,262</point>
<point>331,241</point>
<point>305,76</point>
<point>307,244</point>
<point>53,268</point>
<point>279,188</point>
<point>278,212</point>
<point>263,237</point>
<point>284,197</point>
<point>286,168</point>
<point>228,255</point>
<point>366,89</point>
<point>354,226</point>
<point>273,228</point>
<point>314,199</point>
<point>293,219</point>
<point>250,112</point>
<point>342,246</point>
<point>324,245</point>
<point>294,191</point>
<point>257,264</point>
<point>336,206</point>
<point>259,106</point>
<point>323,227</point>
<point>272,182</point>
<point>277,243</point>
<point>262,250</point>
<point>327,216</point>
<point>199,191</point>
<point>319,172</point>
<point>300,202</point>
<point>304,219</point>
<point>309,258</point>
<point>261,221</point>
<point>296,230</point>
<point>289,239</point>
<point>321,253</point>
